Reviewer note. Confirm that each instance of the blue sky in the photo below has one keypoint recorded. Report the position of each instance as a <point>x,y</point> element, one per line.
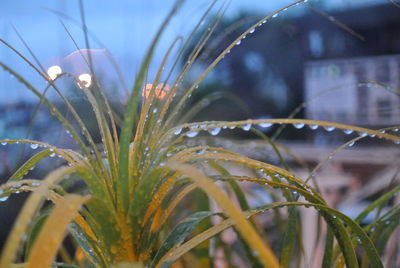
<point>125,27</point>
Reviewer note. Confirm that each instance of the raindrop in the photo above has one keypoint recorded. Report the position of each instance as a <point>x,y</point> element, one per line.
<point>4,198</point>
<point>169,154</point>
<point>51,149</point>
<point>397,142</point>
<point>215,131</point>
<point>232,127</point>
<point>313,127</point>
<point>252,30</point>
<point>194,127</point>
<point>396,129</point>
<point>264,21</point>
<point>162,164</point>
<point>372,135</point>
<point>298,125</point>
<point>35,184</point>
<point>348,131</point>
<point>34,146</point>
<point>3,143</point>
<point>329,128</point>
<point>351,144</point>
<point>238,42</point>
<point>202,151</point>
<point>178,131</point>
<point>155,110</point>
<point>362,134</point>
<point>275,15</point>
<point>192,134</point>
<point>383,131</point>
<point>246,127</point>
<point>265,125</point>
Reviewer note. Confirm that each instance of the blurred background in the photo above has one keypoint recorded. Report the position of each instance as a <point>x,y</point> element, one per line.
<point>337,60</point>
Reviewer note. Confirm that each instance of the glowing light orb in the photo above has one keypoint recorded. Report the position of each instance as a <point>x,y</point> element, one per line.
<point>161,90</point>
<point>54,71</point>
<point>84,81</point>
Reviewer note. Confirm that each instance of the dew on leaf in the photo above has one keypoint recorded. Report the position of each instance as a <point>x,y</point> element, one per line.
<point>192,134</point>
<point>178,131</point>
<point>246,127</point>
<point>265,125</point>
<point>298,125</point>
<point>348,131</point>
<point>215,131</point>
<point>329,128</point>
<point>362,134</point>
<point>34,146</point>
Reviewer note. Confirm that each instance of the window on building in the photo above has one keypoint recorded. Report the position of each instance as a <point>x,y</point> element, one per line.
<point>382,71</point>
<point>383,108</point>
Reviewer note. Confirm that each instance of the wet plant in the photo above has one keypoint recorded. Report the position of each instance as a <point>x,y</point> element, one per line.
<point>144,174</point>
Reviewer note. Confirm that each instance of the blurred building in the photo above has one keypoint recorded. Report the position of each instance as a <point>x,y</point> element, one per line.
<point>361,90</point>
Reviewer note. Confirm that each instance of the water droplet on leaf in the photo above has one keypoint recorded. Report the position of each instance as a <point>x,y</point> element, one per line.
<point>246,127</point>
<point>298,125</point>
<point>34,146</point>
<point>329,128</point>
<point>362,134</point>
<point>178,131</point>
<point>265,125</point>
<point>215,131</point>
<point>348,131</point>
<point>192,134</point>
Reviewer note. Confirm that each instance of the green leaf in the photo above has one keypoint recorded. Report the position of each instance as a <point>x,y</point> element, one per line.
<point>128,265</point>
<point>328,252</point>
<point>123,183</point>
<point>25,168</point>
<point>178,234</point>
